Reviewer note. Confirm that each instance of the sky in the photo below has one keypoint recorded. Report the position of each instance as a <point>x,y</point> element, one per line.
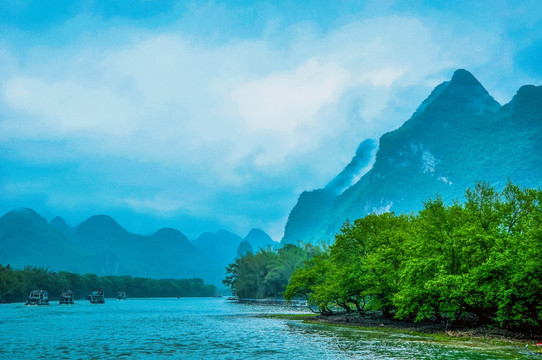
<point>208,115</point>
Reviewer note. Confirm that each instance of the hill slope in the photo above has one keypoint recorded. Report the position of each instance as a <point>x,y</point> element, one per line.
<point>457,136</point>
<point>220,246</point>
<point>26,238</point>
<point>313,207</point>
<point>101,246</point>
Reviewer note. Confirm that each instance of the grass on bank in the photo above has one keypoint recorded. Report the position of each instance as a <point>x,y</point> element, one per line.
<point>445,336</point>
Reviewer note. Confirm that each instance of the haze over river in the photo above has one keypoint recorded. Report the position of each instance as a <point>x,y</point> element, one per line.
<point>196,328</point>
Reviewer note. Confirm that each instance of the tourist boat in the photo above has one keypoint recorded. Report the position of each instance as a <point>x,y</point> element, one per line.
<point>66,297</point>
<point>38,297</point>
<point>121,295</point>
<point>97,296</point>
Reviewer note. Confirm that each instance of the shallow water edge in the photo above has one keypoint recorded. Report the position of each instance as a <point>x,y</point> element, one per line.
<point>468,337</point>
<point>210,328</point>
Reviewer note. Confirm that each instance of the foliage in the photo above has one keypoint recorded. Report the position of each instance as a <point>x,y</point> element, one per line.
<point>309,282</point>
<point>482,257</point>
<point>266,273</point>
<point>15,285</point>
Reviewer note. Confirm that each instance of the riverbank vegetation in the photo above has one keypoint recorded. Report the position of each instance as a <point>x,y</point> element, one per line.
<point>265,274</point>
<point>465,335</point>
<point>480,259</point>
<point>15,285</point>
<point>476,262</point>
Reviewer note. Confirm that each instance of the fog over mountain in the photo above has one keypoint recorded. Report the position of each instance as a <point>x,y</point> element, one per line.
<point>216,115</point>
<point>102,246</point>
<point>358,166</point>
<point>459,135</point>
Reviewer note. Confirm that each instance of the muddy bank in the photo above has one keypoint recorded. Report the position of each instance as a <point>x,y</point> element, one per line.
<point>459,330</point>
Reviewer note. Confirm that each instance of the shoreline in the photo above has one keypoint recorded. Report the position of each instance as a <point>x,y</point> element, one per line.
<point>374,321</point>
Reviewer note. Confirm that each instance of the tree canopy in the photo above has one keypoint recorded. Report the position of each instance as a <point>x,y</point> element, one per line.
<point>15,285</point>
<point>482,257</point>
<point>265,274</point>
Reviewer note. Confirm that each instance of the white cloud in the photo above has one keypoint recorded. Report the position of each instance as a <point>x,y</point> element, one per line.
<point>64,108</point>
<point>385,76</point>
<point>283,102</point>
<point>162,96</point>
<point>291,107</point>
<point>157,204</point>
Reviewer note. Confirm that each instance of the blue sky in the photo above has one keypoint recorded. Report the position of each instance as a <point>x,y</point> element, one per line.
<point>207,115</point>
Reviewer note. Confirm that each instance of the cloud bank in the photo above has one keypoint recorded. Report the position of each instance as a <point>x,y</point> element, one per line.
<point>170,124</point>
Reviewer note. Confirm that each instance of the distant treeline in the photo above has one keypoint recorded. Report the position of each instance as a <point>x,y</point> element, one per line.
<point>15,285</point>
<point>265,273</point>
<point>483,257</point>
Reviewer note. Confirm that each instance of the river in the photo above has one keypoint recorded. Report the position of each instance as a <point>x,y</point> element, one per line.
<point>196,328</point>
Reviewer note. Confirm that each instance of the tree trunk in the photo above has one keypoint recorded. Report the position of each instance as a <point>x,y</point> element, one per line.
<point>326,312</point>
<point>483,316</point>
<point>386,312</point>
<point>345,307</point>
<point>359,308</point>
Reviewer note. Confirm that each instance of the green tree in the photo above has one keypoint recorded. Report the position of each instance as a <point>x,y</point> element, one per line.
<point>266,273</point>
<point>307,281</point>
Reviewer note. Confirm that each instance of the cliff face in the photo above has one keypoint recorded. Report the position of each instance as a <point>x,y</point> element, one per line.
<point>457,136</point>
<point>312,210</point>
<point>313,207</point>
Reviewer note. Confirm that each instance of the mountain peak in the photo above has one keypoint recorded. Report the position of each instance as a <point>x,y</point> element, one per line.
<point>220,246</point>
<point>58,220</point>
<point>459,135</point>
<point>102,220</point>
<point>464,85</point>
<point>26,212</point>
<point>100,223</point>
<point>258,239</point>
<point>170,234</point>
<point>464,77</point>
<point>463,94</point>
<point>58,223</point>
<point>23,215</point>
<point>256,233</point>
<point>528,96</point>
<point>526,107</point>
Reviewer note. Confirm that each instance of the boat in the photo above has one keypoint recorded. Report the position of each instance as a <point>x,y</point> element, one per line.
<point>38,297</point>
<point>121,295</point>
<point>66,297</point>
<point>97,296</point>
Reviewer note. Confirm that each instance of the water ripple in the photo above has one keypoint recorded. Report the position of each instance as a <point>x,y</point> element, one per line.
<point>201,329</point>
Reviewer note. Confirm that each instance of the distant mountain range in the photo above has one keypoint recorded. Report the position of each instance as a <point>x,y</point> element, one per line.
<point>101,246</point>
<point>459,135</point>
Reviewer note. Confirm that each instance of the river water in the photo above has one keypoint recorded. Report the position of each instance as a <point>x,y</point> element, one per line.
<point>195,328</point>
